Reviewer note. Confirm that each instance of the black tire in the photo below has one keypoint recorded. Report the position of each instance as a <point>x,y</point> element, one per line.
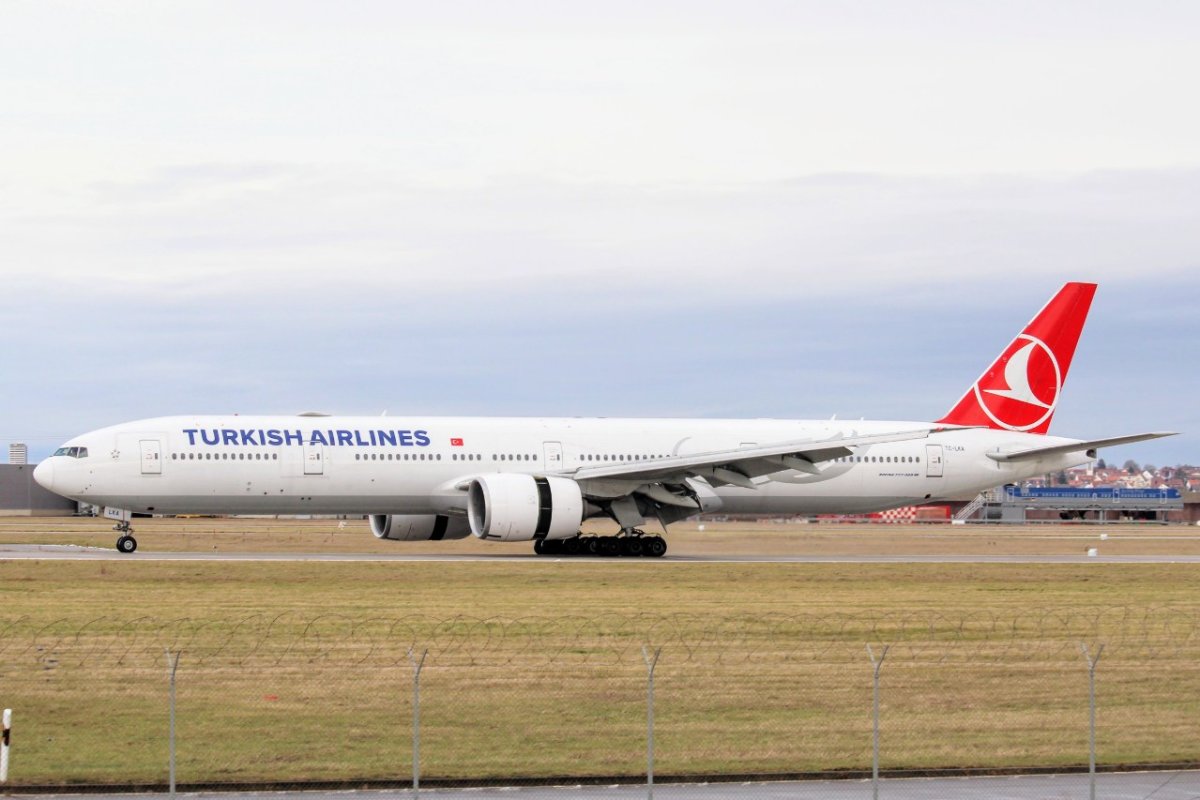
<point>632,546</point>
<point>656,547</point>
<point>610,546</point>
<point>592,546</point>
<point>126,544</point>
<point>539,546</point>
<point>571,546</point>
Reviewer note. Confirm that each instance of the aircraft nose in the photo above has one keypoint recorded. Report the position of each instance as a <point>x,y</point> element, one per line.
<point>43,473</point>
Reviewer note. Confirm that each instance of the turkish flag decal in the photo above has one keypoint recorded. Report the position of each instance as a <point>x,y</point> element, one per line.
<point>456,443</point>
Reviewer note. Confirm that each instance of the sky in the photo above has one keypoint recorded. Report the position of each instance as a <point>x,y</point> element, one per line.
<point>744,209</point>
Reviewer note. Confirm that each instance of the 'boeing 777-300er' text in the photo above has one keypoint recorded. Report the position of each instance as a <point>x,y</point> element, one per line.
<point>516,479</point>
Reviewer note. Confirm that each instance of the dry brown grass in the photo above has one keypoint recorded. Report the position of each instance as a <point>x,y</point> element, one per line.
<point>535,665</point>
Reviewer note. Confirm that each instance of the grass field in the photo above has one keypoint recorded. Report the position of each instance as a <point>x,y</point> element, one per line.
<point>535,667</point>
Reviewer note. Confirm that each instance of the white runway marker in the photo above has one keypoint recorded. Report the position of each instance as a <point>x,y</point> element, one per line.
<point>5,740</point>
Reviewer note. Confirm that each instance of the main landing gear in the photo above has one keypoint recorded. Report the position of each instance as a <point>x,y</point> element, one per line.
<point>631,543</point>
<point>125,542</point>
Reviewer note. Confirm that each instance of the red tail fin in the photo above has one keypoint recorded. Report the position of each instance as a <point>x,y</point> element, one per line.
<point>1020,391</point>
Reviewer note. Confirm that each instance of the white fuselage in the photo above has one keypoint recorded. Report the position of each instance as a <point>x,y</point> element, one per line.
<point>393,465</point>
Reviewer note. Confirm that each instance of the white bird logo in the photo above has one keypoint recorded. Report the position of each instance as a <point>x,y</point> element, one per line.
<point>1016,376</point>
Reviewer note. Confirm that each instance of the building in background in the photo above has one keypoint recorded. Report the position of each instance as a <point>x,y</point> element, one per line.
<point>18,453</point>
<point>21,496</point>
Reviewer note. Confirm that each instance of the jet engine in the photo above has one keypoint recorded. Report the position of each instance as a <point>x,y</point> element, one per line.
<point>418,527</point>
<point>511,507</point>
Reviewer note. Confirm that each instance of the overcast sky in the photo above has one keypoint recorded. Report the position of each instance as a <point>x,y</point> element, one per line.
<point>784,209</point>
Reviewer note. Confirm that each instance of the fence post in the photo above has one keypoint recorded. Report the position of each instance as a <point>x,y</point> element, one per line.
<point>417,665</point>
<point>877,665</point>
<point>172,665</point>
<point>651,663</point>
<point>1091,665</point>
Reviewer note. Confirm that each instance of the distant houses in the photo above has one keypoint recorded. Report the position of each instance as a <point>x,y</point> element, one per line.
<point>1185,478</point>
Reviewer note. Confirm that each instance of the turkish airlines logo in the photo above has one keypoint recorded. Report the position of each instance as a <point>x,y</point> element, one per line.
<point>1025,394</point>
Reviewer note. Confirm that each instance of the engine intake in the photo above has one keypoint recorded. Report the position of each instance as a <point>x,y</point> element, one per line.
<point>512,507</point>
<point>418,527</point>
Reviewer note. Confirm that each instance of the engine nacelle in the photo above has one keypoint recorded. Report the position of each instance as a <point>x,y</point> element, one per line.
<point>418,527</point>
<point>512,507</point>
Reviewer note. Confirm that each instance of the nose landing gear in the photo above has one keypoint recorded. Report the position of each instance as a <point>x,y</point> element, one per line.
<point>125,542</point>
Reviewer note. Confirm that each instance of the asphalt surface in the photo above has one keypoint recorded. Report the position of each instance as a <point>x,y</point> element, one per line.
<point>1109,786</point>
<point>13,552</point>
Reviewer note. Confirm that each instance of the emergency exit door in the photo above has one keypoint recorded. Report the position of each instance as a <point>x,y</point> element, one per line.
<point>933,461</point>
<point>151,457</point>
<point>554,456</point>
<point>314,459</point>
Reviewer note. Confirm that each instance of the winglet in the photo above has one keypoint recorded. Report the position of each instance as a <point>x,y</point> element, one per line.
<point>1021,389</point>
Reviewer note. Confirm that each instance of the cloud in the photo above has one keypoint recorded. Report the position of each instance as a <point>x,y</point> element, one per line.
<point>779,209</point>
<point>204,230</point>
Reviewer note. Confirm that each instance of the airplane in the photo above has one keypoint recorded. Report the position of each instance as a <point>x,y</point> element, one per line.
<point>538,479</point>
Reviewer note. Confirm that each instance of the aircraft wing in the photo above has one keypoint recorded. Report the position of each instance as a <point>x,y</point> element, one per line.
<point>738,465</point>
<point>1076,447</point>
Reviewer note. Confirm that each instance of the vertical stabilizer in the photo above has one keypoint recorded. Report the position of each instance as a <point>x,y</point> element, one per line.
<point>1021,389</point>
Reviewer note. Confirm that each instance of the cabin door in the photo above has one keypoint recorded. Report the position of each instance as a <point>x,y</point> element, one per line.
<point>151,457</point>
<point>933,461</point>
<point>314,459</point>
<point>554,456</point>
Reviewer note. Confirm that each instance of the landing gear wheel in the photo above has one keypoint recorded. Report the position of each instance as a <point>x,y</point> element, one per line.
<point>126,544</point>
<point>591,546</point>
<point>610,546</point>
<point>539,547</point>
<point>571,546</point>
<point>632,546</point>
<point>656,546</point>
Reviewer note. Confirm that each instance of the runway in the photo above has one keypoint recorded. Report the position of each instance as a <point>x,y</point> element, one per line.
<point>1111,786</point>
<point>51,552</point>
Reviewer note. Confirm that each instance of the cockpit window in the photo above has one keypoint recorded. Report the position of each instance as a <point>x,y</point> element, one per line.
<point>72,452</point>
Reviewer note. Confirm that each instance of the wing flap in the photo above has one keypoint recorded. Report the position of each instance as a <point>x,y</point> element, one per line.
<point>747,462</point>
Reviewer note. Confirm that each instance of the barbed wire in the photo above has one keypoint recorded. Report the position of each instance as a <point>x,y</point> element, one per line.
<point>605,640</point>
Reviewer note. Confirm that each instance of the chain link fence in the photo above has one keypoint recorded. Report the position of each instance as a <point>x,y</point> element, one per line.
<point>288,700</point>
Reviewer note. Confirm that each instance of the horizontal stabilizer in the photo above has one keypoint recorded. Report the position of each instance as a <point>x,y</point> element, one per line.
<point>1076,447</point>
